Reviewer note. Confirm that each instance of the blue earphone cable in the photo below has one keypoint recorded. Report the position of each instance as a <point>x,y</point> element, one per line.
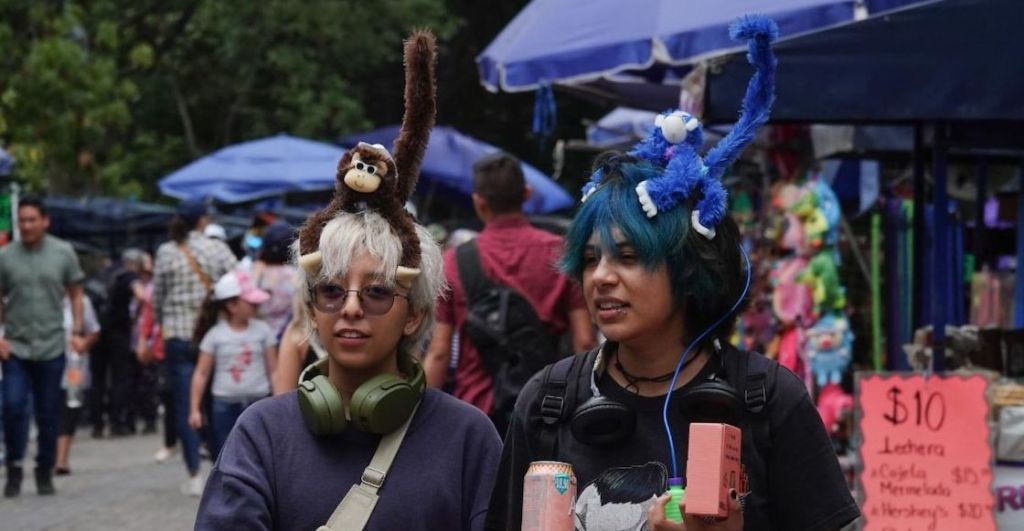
<point>682,362</point>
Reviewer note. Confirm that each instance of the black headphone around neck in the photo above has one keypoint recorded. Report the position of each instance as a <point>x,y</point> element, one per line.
<point>601,421</point>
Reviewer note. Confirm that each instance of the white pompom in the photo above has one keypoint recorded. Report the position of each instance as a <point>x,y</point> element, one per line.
<point>646,203</point>
<point>673,128</point>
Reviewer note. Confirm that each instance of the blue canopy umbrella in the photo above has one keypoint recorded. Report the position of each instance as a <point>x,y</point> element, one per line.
<point>620,126</point>
<point>449,164</point>
<point>571,41</point>
<point>6,162</point>
<point>255,169</point>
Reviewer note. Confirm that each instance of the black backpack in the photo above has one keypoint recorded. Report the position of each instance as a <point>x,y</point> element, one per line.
<point>503,326</point>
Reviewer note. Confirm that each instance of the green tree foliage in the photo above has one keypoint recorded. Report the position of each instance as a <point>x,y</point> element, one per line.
<point>107,96</point>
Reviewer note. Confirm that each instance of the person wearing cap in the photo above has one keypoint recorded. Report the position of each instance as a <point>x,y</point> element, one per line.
<point>273,274</point>
<point>237,349</point>
<point>252,239</point>
<point>35,274</point>
<point>183,275</point>
<point>216,232</point>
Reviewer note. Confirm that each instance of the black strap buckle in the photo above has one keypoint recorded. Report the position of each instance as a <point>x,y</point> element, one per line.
<point>551,409</point>
<point>755,395</point>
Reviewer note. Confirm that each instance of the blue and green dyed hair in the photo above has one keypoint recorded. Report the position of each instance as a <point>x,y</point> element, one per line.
<point>706,275</point>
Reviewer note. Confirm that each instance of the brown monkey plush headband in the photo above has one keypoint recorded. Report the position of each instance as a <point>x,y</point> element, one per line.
<point>371,178</point>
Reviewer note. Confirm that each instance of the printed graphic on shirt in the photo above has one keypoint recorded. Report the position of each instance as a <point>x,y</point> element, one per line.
<point>241,362</point>
<point>618,499</point>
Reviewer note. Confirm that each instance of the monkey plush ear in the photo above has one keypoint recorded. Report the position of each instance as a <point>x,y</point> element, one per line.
<point>344,161</point>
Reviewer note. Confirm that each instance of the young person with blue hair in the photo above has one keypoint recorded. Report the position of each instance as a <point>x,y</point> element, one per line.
<point>664,276</point>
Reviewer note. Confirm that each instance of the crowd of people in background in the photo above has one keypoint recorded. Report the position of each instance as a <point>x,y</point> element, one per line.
<point>182,343</point>
<point>122,350</point>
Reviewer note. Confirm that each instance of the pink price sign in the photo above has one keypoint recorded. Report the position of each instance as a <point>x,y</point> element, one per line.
<point>926,460</point>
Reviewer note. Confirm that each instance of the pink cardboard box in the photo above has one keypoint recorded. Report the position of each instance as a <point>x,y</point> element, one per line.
<point>712,468</point>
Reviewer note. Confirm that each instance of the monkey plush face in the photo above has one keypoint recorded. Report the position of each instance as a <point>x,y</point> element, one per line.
<point>367,169</point>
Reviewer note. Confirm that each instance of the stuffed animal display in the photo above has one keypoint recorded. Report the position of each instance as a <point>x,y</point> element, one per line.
<point>812,335</point>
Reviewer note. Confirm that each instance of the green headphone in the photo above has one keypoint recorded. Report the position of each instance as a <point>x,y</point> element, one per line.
<point>378,406</point>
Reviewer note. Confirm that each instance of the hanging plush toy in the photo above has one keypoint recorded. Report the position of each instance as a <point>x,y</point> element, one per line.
<point>828,205</point>
<point>834,405</point>
<point>792,300</point>
<point>370,177</point>
<point>828,347</point>
<point>677,138</point>
<point>823,278</point>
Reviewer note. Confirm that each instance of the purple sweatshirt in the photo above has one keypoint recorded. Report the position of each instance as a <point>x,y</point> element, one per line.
<point>274,474</point>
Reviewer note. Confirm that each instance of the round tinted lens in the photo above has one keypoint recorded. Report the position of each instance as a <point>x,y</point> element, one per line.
<point>328,298</point>
<point>377,300</point>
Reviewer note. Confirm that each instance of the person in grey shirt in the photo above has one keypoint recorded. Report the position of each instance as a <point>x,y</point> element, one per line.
<point>36,273</point>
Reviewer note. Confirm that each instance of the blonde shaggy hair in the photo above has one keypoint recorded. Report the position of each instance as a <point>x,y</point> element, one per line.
<point>347,235</point>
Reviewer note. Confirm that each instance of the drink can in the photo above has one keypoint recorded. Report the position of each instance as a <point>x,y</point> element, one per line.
<point>549,497</point>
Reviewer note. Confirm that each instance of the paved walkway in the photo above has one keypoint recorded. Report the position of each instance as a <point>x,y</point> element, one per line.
<point>115,485</point>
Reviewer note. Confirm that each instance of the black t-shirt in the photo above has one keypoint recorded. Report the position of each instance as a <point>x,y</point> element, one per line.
<point>118,318</point>
<point>798,485</point>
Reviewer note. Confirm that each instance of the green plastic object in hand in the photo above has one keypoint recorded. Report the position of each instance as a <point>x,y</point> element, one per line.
<point>676,491</point>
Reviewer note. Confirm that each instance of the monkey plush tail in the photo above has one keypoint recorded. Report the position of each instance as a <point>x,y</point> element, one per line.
<point>420,110</point>
<point>759,32</point>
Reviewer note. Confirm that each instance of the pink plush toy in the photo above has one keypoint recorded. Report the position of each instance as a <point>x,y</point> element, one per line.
<point>833,404</point>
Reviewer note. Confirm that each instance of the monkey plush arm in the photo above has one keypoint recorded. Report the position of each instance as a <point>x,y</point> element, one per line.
<point>420,110</point>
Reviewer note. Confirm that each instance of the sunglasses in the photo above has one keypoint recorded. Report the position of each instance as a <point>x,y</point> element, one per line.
<point>375,299</point>
<point>368,168</point>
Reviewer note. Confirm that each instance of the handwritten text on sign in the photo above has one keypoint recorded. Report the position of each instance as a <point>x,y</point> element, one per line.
<point>925,453</point>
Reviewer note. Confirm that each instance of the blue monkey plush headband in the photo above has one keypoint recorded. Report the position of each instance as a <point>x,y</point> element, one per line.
<point>677,138</point>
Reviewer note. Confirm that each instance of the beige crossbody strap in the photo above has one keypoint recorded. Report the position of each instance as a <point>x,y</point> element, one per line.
<point>203,277</point>
<point>356,507</point>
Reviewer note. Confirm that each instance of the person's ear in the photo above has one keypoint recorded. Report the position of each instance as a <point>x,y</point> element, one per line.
<point>412,321</point>
<point>480,205</point>
<point>527,193</point>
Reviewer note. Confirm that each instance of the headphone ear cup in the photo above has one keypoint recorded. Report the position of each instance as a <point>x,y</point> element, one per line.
<point>602,422</point>
<point>712,401</point>
<point>383,403</point>
<point>321,406</point>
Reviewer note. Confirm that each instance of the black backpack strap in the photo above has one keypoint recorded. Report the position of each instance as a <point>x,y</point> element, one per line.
<point>757,376</point>
<point>560,387</point>
<point>553,405</point>
<point>471,273</point>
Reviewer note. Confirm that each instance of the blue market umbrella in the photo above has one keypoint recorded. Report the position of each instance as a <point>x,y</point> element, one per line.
<point>449,163</point>
<point>572,41</point>
<point>620,126</point>
<point>6,162</point>
<point>255,169</point>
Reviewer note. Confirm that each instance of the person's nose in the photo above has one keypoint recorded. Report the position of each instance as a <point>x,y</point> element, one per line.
<point>605,273</point>
<point>352,308</point>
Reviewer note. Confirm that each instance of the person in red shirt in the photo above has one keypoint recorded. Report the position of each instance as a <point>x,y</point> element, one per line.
<point>514,254</point>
